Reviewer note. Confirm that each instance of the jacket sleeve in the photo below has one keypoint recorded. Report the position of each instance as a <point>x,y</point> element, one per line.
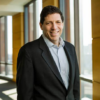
<point>25,76</point>
<point>76,87</point>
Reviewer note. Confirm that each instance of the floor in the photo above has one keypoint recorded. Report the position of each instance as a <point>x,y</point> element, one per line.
<point>7,90</point>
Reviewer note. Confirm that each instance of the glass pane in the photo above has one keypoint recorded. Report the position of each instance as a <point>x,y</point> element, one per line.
<point>2,40</point>
<point>85,38</point>
<point>72,21</point>
<point>9,39</point>
<point>31,22</point>
<point>86,90</point>
<point>2,69</point>
<point>9,70</point>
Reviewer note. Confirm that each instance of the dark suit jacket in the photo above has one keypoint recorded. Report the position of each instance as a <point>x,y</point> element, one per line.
<point>38,77</point>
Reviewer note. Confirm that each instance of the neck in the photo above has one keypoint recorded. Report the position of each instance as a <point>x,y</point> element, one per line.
<point>57,43</point>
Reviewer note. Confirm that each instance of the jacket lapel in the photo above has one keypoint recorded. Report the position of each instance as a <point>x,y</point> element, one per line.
<point>49,59</point>
<point>69,55</point>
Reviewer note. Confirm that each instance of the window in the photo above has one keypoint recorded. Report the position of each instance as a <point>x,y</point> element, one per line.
<point>30,34</point>
<point>85,38</point>
<point>71,21</point>
<point>86,90</point>
<point>9,39</point>
<point>67,9</point>
<point>85,48</point>
<point>28,22</point>
<point>32,17</point>
<point>2,45</point>
<point>9,46</point>
<point>2,39</point>
<point>6,46</point>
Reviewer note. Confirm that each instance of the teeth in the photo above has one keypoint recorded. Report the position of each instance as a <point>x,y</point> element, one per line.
<point>53,32</point>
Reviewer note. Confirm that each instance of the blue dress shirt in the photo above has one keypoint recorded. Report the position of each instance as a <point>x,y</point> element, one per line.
<point>60,59</point>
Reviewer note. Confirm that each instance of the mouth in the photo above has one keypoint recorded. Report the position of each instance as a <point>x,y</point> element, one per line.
<point>54,32</point>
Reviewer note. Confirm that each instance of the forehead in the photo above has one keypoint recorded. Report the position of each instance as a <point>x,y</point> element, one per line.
<point>51,17</point>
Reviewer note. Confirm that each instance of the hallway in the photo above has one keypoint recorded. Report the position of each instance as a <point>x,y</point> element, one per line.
<point>7,90</point>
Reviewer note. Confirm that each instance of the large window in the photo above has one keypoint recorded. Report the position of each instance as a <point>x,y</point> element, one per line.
<point>32,17</point>
<point>71,3</point>
<point>85,38</point>
<point>67,9</point>
<point>85,46</point>
<point>9,39</point>
<point>6,46</point>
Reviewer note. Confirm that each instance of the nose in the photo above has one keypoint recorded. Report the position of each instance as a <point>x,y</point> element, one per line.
<point>54,26</point>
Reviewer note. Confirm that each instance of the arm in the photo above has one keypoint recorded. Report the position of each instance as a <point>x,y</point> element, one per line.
<point>25,76</point>
<point>76,87</point>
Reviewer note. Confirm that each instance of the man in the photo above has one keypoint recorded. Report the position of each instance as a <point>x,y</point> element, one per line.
<point>47,68</point>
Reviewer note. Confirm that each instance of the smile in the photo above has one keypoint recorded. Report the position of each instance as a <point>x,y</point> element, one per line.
<point>54,32</point>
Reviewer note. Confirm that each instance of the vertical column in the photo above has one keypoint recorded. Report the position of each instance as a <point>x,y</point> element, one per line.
<point>67,21</point>
<point>18,39</point>
<point>96,48</point>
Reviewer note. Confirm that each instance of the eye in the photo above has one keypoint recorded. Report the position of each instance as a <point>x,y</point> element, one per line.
<point>58,22</point>
<point>47,23</point>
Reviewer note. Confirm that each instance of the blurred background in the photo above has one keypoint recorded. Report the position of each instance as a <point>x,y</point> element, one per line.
<point>19,24</point>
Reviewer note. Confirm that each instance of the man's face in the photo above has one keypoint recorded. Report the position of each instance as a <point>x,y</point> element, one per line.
<point>52,27</point>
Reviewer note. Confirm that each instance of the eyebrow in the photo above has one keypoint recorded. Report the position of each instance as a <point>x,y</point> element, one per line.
<point>56,20</point>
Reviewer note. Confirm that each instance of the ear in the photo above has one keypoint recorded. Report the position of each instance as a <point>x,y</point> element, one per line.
<point>41,26</point>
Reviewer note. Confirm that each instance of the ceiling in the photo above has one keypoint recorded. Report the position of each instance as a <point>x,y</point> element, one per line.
<point>11,7</point>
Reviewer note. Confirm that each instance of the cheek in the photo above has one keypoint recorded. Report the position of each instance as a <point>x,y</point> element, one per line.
<point>47,29</point>
<point>61,26</point>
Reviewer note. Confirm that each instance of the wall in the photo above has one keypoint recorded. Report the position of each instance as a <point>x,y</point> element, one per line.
<point>18,39</point>
<point>51,2</point>
<point>96,48</point>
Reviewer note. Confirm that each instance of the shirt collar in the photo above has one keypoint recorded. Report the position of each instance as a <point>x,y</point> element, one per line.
<point>50,44</point>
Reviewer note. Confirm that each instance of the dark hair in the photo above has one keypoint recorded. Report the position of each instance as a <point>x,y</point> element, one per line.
<point>49,10</point>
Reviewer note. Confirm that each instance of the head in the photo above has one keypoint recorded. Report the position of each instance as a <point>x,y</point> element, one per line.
<point>49,10</point>
<point>51,22</point>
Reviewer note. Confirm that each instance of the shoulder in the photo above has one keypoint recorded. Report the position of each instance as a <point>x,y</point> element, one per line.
<point>29,47</point>
<point>69,45</point>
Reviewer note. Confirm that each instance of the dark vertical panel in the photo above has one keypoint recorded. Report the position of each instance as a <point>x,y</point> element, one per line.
<point>26,24</point>
<point>62,8</point>
<point>34,20</point>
